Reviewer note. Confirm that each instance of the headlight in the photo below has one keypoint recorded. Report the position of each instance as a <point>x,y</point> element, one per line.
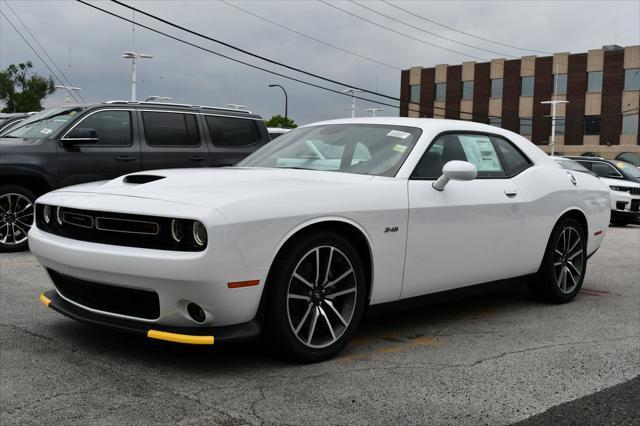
<point>177,230</point>
<point>46,214</point>
<point>199,234</point>
<point>59,215</point>
<point>620,188</point>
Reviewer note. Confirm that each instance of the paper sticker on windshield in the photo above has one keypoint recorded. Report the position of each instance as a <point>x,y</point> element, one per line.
<point>398,134</point>
<point>620,165</point>
<point>400,148</point>
<point>46,131</point>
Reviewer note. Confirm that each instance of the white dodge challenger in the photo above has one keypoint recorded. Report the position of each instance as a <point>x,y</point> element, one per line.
<point>304,234</point>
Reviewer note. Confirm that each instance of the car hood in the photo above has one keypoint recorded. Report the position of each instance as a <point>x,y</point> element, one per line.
<point>215,187</point>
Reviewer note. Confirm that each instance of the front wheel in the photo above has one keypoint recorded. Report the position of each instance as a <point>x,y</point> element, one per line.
<point>564,265</point>
<point>16,217</point>
<point>316,297</point>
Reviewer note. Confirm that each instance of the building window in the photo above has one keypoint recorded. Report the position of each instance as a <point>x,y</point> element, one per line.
<point>526,126</point>
<point>632,79</point>
<point>594,82</point>
<point>441,91</point>
<point>560,126</point>
<point>526,87</point>
<point>414,93</point>
<point>496,88</point>
<point>467,90</point>
<point>629,124</point>
<point>592,125</point>
<point>560,84</point>
<point>495,121</point>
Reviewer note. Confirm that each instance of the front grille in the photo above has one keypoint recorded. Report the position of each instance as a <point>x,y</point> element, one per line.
<point>635,191</point>
<point>108,298</point>
<point>635,205</point>
<point>121,229</point>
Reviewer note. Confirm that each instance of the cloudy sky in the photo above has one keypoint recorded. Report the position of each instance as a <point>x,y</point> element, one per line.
<point>87,45</point>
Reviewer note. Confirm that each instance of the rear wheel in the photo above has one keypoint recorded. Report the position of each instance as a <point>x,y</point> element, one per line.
<point>16,217</point>
<point>316,297</point>
<point>564,265</point>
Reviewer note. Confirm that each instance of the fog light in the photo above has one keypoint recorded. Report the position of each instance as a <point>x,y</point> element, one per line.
<point>177,230</point>
<point>46,212</point>
<point>196,313</point>
<point>621,205</point>
<point>59,215</point>
<point>199,233</point>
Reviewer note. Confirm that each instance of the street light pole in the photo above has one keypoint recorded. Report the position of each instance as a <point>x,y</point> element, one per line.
<point>133,56</point>
<point>286,99</point>
<point>68,89</point>
<point>352,92</point>
<point>373,111</point>
<point>554,102</point>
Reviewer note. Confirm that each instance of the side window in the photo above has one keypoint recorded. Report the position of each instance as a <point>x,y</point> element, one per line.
<point>604,170</point>
<point>476,149</point>
<point>170,129</point>
<point>514,159</point>
<point>112,127</point>
<point>232,132</point>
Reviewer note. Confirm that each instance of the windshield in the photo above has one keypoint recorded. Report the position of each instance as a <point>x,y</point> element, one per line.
<point>372,149</point>
<point>43,124</point>
<point>628,170</point>
<point>574,165</point>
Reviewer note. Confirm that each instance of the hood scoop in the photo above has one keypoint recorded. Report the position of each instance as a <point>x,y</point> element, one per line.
<point>141,179</point>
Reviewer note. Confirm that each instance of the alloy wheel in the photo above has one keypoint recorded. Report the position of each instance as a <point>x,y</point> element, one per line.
<point>16,217</point>
<point>568,260</point>
<point>321,296</point>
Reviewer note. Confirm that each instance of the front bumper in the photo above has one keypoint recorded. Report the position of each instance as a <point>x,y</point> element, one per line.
<point>187,335</point>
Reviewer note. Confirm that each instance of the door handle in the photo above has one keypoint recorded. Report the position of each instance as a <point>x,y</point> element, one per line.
<point>511,192</point>
<point>125,158</point>
<point>197,158</point>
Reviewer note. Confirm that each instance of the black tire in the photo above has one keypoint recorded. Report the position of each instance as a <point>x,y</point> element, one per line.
<point>12,214</point>
<point>547,283</point>
<point>281,311</point>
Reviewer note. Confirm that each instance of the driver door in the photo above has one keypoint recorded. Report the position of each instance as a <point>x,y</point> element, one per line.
<point>470,232</point>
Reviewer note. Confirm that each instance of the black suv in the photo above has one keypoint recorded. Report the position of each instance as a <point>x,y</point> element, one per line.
<point>76,144</point>
<point>611,169</point>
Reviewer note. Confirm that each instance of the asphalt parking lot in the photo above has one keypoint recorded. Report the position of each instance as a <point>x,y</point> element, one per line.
<point>499,358</point>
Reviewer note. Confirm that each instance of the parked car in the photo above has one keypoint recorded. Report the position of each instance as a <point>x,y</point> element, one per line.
<point>624,181</point>
<point>76,144</point>
<point>7,121</point>
<point>629,157</point>
<point>274,132</point>
<point>299,248</point>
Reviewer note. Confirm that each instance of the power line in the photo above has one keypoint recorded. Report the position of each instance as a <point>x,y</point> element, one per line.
<point>68,82</point>
<point>429,32</point>
<point>462,32</point>
<point>310,37</point>
<point>398,32</point>
<point>246,52</point>
<point>34,50</point>
<point>283,75</point>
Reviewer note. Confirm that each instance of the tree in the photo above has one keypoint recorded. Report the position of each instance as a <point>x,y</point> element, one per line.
<point>21,92</point>
<point>280,121</point>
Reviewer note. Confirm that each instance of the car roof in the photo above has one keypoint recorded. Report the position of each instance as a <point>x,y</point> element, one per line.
<point>163,106</point>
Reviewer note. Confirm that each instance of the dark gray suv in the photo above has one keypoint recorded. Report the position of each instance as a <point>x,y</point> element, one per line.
<point>76,144</point>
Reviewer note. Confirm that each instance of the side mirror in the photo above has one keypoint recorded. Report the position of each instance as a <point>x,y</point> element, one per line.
<point>455,170</point>
<point>80,135</point>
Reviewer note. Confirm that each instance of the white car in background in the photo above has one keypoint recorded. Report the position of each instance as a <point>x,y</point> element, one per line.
<point>624,193</point>
<point>306,232</point>
<point>274,132</point>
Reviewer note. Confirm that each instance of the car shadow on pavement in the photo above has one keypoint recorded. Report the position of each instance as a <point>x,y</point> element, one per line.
<point>389,324</point>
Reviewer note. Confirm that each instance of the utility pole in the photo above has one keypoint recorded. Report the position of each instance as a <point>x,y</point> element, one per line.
<point>352,92</point>
<point>554,102</point>
<point>373,111</point>
<point>133,56</point>
<point>68,89</point>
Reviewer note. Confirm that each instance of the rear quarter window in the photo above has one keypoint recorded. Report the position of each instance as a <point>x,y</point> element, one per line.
<point>233,132</point>
<point>170,129</point>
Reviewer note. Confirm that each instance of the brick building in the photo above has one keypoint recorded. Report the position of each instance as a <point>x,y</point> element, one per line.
<point>602,88</point>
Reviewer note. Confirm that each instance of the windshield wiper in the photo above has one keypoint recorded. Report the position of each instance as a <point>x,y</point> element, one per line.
<point>293,167</point>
